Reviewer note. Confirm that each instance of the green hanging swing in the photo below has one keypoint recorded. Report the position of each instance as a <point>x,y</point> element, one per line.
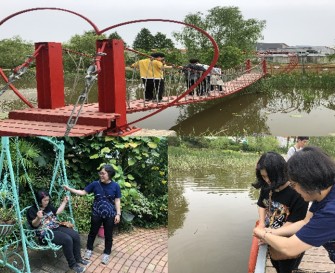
<point>9,197</point>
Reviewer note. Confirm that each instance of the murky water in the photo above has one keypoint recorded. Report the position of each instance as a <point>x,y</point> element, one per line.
<point>278,113</point>
<point>275,113</point>
<point>211,217</point>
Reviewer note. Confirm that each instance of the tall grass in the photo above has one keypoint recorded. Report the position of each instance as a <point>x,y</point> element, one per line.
<point>187,159</point>
<point>294,81</point>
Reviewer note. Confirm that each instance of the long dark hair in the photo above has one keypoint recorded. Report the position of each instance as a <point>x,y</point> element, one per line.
<point>276,168</point>
<point>312,169</point>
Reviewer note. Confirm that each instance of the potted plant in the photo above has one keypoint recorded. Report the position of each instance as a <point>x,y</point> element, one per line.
<point>7,220</point>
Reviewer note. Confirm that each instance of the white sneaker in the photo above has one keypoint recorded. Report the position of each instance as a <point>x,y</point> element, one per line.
<point>88,254</point>
<point>105,259</point>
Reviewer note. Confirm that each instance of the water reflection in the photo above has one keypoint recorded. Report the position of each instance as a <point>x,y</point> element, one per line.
<point>276,113</point>
<point>211,231</point>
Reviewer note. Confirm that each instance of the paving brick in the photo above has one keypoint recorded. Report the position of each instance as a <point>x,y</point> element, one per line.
<point>140,251</point>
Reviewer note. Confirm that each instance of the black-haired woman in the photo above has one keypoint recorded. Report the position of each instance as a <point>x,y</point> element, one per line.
<point>312,174</point>
<point>45,216</point>
<point>106,209</point>
<point>278,204</point>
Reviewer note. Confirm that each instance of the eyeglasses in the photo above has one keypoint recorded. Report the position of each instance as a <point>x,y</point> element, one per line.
<point>101,173</point>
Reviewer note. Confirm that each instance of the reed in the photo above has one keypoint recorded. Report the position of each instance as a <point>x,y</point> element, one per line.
<point>187,159</point>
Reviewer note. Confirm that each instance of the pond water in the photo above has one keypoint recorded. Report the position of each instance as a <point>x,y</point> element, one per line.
<point>211,217</point>
<point>275,113</point>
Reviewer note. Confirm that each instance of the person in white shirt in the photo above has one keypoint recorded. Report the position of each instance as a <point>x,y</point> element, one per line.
<point>300,143</point>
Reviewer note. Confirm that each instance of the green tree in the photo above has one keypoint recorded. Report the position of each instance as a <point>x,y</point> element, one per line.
<point>230,30</point>
<point>14,51</point>
<point>144,40</point>
<point>161,41</point>
<point>85,44</point>
<point>116,35</point>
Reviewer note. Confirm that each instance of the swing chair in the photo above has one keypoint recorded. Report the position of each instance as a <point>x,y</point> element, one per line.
<point>9,195</point>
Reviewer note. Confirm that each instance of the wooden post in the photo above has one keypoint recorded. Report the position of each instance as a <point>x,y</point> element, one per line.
<point>112,80</point>
<point>49,76</point>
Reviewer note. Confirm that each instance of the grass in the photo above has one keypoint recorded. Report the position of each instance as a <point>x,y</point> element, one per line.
<point>188,159</point>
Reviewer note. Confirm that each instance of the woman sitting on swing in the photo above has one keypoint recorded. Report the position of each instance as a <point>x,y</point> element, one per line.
<point>45,216</point>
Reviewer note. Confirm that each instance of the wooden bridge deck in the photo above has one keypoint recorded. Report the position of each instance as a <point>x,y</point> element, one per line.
<point>315,260</point>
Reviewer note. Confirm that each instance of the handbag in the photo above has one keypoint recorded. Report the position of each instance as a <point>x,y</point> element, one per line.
<point>66,224</point>
<point>103,205</point>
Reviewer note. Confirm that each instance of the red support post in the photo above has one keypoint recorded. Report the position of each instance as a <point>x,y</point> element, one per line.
<point>248,65</point>
<point>264,66</point>
<point>49,76</point>
<point>112,80</point>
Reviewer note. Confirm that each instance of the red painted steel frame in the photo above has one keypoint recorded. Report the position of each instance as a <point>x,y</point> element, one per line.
<point>2,74</point>
<point>49,76</point>
<point>99,32</point>
<point>111,80</point>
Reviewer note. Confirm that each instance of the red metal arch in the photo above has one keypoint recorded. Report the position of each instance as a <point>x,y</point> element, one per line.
<point>57,9</point>
<point>99,32</point>
<point>204,75</point>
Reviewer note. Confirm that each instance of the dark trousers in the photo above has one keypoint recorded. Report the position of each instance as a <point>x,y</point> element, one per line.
<point>154,89</point>
<point>70,241</point>
<point>200,89</point>
<point>108,224</point>
<point>286,266</point>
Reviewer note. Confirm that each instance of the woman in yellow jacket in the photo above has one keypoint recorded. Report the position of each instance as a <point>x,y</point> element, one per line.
<point>151,71</point>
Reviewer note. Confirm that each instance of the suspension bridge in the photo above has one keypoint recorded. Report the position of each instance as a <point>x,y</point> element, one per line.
<point>118,95</point>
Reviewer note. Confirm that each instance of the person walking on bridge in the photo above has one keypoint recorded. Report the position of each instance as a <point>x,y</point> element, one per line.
<point>152,75</point>
<point>193,72</point>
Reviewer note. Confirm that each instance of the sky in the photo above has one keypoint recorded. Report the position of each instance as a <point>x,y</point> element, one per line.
<point>294,22</point>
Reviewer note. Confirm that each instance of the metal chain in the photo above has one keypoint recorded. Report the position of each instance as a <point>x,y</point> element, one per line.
<point>16,75</point>
<point>20,70</point>
<point>90,78</point>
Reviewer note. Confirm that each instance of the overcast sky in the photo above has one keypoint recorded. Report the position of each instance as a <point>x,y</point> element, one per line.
<point>294,22</point>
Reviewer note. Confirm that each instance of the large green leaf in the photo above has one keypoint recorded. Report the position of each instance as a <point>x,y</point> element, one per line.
<point>95,156</point>
<point>131,161</point>
<point>127,184</point>
<point>130,177</point>
<point>105,150</point>
<point>152,145</point>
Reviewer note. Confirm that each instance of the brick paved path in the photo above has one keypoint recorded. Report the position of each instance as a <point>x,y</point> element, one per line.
<point>140,251</point>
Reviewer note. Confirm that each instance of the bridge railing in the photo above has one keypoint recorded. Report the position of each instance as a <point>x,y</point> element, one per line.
<point>177,82</point>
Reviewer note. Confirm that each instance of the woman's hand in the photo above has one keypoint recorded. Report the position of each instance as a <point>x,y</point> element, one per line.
<point>40,214</point>
<point>259,232</point>
<point>67,188</point>
<point>117,219</point>
<point>65,199</point>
